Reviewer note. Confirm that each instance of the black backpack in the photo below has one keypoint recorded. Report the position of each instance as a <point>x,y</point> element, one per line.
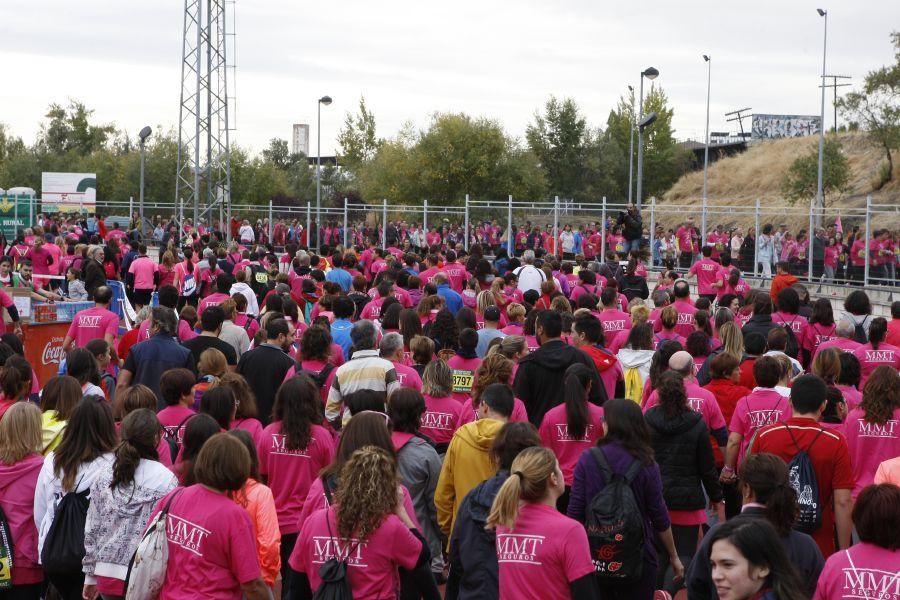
<point>859,332</point>
<point>614,524</point>
<point>259,281</point>
<point>6,553</point>
<point>63,548</point>
<point>321,377</point>
<point>792,347</point>
<point>334,584</point>
<point>803,479</point>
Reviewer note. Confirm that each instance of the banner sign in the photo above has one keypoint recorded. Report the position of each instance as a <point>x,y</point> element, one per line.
<point>769,127</point>
<point>15,214</point>
<point>68,192</point>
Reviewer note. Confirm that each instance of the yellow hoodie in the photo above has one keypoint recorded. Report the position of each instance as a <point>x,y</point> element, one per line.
<point>51,430</point>
<point>466,464</point>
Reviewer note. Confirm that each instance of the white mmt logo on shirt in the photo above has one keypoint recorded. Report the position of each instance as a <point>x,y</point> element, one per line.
<point>518,548</point>
<point>325,548</point>
<point>186,534</point>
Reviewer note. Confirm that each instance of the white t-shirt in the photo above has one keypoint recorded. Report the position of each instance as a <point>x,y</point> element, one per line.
<point>530,278</point>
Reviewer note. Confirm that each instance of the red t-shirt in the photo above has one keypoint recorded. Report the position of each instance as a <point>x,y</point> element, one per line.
<point>371,564</point>
<point>830,459</point>
<point>291,472</point>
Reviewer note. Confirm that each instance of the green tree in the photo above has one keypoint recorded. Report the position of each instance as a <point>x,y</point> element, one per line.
<point>801,182</point>
<point>357,138</point>
<point>664,160</point>
<point>557,138</point>
<point>69,130</point>
<point>877,106</point>
<point>278,153</point>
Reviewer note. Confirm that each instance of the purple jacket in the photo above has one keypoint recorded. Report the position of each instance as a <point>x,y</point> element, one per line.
<point>647,487</point>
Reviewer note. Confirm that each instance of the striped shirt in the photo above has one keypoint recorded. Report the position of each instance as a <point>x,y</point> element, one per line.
<point>365,371</point>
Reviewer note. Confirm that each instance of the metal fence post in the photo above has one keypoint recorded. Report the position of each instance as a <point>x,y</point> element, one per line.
<point>384,224</point>
<point>308,226</point>
<point>130,209</point>
<point>271,225</point>
<point>653,227</point>
<point>757,232</point>
<point>425,217</point>
<point>466,231</point>
<point>809,241</point>
<point>868,239</point>
<point>602,252</point>
<point>345,224</point>
<point>227,225</point>
<point>510,245</point>
<point>556,249</point>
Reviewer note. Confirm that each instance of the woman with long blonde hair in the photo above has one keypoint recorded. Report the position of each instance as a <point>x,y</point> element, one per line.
<point>368,521</point>
<point>495,368</point>
<point>540,552</point>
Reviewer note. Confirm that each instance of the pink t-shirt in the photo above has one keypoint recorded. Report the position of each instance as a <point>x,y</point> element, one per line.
<point>468,413</point>
<point>706,271</point>
<point>185,332</point>
<point>701,401</point>
<point>441,419</point>
<point>762,407</point>
<point>174,419</point>
<point>143,268</point>
<point>870,444</point>
<point>852,396</point>
<point>798,324</point>
<point>686,323</point>
<point>316,500</point>
<point>207,533</point>
<point>457,275</point>
<point>463,376</point>
<point>817,334</point>
<point>5,301</point>
<point>842,344</point>
<point>862,571</point>
<point>614,322</point>
<point>542,555</point>
<point>408,377</point>
<point>870,359</point>
<point>372,310</point>
<point>92,324</point>
<point>554,432</point>
<point>251,426</point>
<point>291,472</point>
<point>315,366</point>
<point>211,300</point>
<point>371,564</point>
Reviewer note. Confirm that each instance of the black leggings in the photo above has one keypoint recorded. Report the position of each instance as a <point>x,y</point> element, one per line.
<point>68,586</point>
<point>288,541</point>
<point>686,542</point>
<point>30,591</point>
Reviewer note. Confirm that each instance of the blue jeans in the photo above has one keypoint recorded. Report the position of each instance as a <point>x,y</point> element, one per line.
<point>632,245</point>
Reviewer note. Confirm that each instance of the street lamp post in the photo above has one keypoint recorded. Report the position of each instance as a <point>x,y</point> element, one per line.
<point>651,74</point>
<point>708,60</point>
<point>326,100</point>
<point>631,145</point>
<point>143,135</point>
<point>820,194</point>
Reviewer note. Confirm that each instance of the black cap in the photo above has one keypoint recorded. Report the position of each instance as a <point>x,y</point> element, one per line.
<point>492,314</point>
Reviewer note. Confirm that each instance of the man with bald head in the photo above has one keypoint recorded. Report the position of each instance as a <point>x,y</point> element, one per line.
<point>452,300</point>
<point>700,400</point>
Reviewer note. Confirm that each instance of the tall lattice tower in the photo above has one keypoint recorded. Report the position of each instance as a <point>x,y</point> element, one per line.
<point>204,155</point>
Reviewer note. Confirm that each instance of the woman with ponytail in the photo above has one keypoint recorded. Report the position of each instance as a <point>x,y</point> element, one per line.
<point>541,553</point>
<point>122,498</point>
<point>877,352</point>
<point>186,280</point>
<point>767,495</point>
<point>572,427</point>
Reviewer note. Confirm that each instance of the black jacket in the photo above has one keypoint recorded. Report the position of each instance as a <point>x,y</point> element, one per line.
<point>761,324</point>
<point>633,225</point>
<point>684,453</point>
<point>634,286</point>
<point>801,549</point>
<point>473,555</point>
<point>541,374</point>
<point>94,276</point>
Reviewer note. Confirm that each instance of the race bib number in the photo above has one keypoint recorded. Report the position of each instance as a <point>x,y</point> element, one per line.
<point>262,277</point>
<point>463,381</point>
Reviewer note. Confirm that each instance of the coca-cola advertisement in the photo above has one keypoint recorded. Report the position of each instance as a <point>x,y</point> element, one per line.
<point>43,347</point>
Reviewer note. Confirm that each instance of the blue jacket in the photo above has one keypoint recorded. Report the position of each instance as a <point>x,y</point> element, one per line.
<point>473,554</point>
<point>451,298</point>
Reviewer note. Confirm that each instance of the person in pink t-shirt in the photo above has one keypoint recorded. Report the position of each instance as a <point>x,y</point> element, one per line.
<point>541,553</point>
<point>872,430</point>
<point>876,352</point>
<point>223,286</point>
<point>391,348</point>
<point>574,426</point>
<point>706,270</point>
<point>762,407</point>
<point>292,451</point>
<point>142,277</point>
<point>464,364</point>
<point>177,389</point>
<point>615,322</point>
<point>367,525</point>
<point>443,413</point>
<point>870,569</point>
<point>208,533</point>
<point>94,323</point>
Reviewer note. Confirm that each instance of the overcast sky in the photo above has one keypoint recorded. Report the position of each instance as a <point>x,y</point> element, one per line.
<point>499,59</point>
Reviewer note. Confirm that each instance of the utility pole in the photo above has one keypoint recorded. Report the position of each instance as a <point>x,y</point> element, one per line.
<point>835,85</point>
<point>739,118</point>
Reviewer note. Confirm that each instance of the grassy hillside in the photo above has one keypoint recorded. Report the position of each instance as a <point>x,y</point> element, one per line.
<point>758,173</point>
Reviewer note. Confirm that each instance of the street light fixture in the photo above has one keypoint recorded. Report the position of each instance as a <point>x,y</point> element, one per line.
<point>326,100</point>
<point>143,135</point>
<point>631,145</point>
<point>706,150</point>
<point>820,194</point>
<point>650,73</point>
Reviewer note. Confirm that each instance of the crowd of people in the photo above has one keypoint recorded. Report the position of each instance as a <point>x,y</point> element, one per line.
<point>425,422</point>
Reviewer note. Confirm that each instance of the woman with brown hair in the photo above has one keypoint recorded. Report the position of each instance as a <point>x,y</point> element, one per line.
<point>871,429</point>
<point>369,520</point>
<point>495,368</point>
<point>421,351</point>
<point>245,412</point>
<point>58,400</point>
<point>135,398</point>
